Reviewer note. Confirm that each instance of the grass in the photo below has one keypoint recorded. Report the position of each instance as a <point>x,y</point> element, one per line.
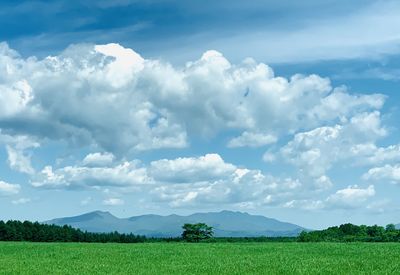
<point>203,258</point>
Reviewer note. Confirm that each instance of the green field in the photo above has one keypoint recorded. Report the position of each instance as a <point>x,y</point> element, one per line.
<point>202,258</point>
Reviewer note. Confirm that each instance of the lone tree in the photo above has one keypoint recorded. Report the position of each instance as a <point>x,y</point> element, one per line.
<point>196,232</point>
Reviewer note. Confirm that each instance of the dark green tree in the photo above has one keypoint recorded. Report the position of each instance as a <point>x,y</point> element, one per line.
<point>390,228</point>
<point>196,232</point>
<point>352,233</point>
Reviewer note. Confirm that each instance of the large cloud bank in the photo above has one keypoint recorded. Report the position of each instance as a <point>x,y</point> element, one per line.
<point>112,97</point>
<point>112,100</point>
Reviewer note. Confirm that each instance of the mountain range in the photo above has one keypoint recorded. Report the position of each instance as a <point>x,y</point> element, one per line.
<point>225,224</point>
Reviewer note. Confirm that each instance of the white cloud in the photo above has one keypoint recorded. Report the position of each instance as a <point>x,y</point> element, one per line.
<point>113,201</point>
<point>237,186</point>
<point>252,140</point>
<point>373,155</point>
<point>387,172</point>
<point>125,174</point>
<point>350,197</point>
<point>205,180</point>
<point>126,63</point>
<point>9,188</point>
<point>18,151</point>
<point>205,168</point>
<point>21,201</point>
<point>305,204</point>
<point>18,161</point>
<point>347,198</point>
<point>115,107</point>
<point>269,157</point>
<point>178,182</point>
<point>315,151</point>
<point>341,104</point>
<point>14,98</point>
<point>131,103</point>
<point>98,159</point>
<point>323,182</point>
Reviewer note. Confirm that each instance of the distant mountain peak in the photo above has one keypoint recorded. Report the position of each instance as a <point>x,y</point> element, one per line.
<point>102,213</point>
<point>232,212</point>
<point>97,213</point>
<point>83,217</point>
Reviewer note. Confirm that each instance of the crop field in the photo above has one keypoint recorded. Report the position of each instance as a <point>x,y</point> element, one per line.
<point>201,258</point>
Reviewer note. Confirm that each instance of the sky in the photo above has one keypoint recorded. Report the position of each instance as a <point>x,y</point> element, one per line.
<point>288,109</point>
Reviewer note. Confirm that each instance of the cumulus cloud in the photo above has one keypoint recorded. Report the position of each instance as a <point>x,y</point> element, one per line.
<point>252,140</point>
<point>350,197</point>
<point>204,168</point>
<point>315,151</point>
<point>9,188</point>
<point>269,156</point>
<point>124,174</point>
<point>387,172</point>
<point>98,159</point>
<point>347,198</point>
<point>19,161</point>
<point>305,204</point>
<point>256,189</point>
<point>374,155</point>
<point>178,182</point>
<point>14,98</point>
<point>126,63</point>
<point>203,180</point>
<point>323,182</point>
<point>149,104</point>
<point>234,186</point>
<point>116,108</point>
<point>113,201</point>
<point>19,153</point>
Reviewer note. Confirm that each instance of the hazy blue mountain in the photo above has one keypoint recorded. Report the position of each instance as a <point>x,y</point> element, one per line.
<point>225,223</point>
<point>397,226</point>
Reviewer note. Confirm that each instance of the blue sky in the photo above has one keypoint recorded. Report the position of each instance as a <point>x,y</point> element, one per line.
<point>289,110</point>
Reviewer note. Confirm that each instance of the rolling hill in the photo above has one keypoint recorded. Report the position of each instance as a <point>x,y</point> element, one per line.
<point>225,224</point>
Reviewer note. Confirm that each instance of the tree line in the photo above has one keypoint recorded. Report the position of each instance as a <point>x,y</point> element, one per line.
<point>352,233</point>
<point>38,232</point>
